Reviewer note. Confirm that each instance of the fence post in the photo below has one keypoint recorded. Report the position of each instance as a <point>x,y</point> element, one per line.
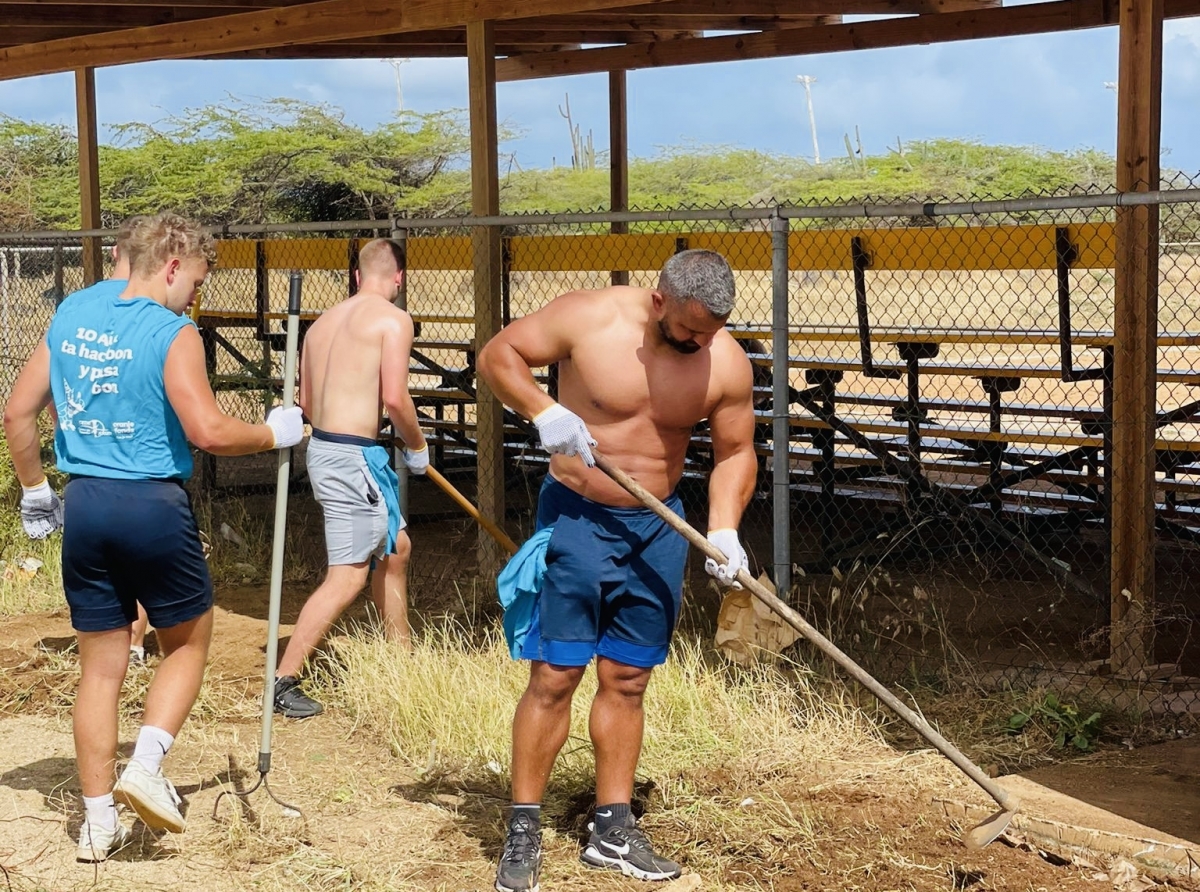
<point>1135,329</point>
<point>487,268</point>
<point>400,235</point>
<point>59,284</point>
<point>781,403</point>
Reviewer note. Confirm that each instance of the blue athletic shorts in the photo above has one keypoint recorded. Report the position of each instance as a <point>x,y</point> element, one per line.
<point>126,541</point>
<point>613,584</point>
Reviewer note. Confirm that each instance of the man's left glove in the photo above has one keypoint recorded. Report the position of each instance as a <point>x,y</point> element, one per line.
<point>416,461</point>
<point>41,510</point>
<point>727,541</point>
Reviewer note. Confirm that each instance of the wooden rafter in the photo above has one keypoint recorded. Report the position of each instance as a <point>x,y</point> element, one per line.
<point>1060,15</point>
<point>377,51</point>
<point>245,31</point>
<point>709,22</point>
<point>811,7</point>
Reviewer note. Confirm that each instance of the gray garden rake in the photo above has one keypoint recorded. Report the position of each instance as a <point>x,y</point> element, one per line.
<point>975,838</point>
<point>277,548</point>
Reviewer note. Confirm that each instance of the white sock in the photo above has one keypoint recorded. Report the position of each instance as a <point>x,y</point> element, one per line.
<point>101,811</point>
<point>151,747</point>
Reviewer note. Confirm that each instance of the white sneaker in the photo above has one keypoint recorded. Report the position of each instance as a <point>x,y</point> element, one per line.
<point>152,796</point>
<point>97,843</point>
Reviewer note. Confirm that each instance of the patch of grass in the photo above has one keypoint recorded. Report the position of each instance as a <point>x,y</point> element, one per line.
<point>725,748</point>
<point>22,592</point>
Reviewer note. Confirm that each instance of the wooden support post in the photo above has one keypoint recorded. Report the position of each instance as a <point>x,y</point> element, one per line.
<point>89,173</point>
<point>485,201</point>
<point>1139,107</point>
<point>618,157</point>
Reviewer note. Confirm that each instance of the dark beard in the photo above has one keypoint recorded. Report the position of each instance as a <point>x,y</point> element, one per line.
<point>685,347</point>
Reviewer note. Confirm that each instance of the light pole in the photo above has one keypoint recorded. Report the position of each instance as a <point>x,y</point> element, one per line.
<point>396,63</point>
<point>808,80</point>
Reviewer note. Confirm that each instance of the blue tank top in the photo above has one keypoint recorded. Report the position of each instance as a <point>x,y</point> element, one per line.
<point>106,373</point>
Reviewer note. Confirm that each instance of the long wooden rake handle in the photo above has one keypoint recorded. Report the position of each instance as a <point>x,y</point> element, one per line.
<point>978,836</point>
<point>498,534</point>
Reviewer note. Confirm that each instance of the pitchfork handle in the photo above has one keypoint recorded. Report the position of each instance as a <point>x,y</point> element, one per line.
<point>797,622</point>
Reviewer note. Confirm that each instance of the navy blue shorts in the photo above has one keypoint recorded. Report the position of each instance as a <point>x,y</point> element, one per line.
<point>126,541</point>
<point>613,584</point>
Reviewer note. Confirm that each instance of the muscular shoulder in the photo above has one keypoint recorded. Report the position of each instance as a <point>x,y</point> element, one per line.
<point>585,312</point>
<point>731,367</point>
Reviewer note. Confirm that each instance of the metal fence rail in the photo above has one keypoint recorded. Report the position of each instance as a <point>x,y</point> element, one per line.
<point>933,388</point>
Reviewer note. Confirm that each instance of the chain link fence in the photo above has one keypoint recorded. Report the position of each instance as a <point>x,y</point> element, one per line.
<point>943,374</point>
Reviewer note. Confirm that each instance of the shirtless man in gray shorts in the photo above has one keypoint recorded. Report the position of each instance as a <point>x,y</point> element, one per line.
<point>355,364</point>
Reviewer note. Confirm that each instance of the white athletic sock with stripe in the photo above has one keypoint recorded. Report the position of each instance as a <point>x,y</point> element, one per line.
<point>152,747</point>
<point>101,811</point>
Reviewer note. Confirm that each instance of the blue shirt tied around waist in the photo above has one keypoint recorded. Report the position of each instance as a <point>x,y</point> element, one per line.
<point>518,586</point>
<point>106,375</point>
<point>379,462</point>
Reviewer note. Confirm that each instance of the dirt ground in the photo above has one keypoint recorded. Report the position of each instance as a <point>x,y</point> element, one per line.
<point>1158,786</point>
<point>367,823</point>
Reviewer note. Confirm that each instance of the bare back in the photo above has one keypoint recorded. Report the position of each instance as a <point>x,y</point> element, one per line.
<point>344,366</point>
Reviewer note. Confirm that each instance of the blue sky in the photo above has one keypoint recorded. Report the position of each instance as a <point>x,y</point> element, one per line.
<point>1047,91</point>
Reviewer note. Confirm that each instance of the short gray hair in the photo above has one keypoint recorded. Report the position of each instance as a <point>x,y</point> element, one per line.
<point>702,276</point>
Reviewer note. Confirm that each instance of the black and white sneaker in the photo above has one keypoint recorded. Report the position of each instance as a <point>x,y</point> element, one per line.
<point>292,702</point>
<point>521,862</point>
<point>628,850</point>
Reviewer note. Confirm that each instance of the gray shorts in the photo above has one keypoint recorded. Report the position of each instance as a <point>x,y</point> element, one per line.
<point>357,491</point>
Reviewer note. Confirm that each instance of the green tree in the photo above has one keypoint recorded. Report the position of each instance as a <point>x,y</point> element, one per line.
<point>39,175</point>
<point>282,160</point>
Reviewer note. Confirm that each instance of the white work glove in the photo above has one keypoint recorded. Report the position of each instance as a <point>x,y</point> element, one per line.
<point>41,510</point>
<point>563,433</point>
<point>727,541</point>
<point>416,461</point>
<point>287,425</point>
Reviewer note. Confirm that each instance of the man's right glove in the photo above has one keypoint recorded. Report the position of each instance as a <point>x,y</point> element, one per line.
<point>41,510</point>
<point>287,425</point>
<point>417,461</point>
<point>563,433</point>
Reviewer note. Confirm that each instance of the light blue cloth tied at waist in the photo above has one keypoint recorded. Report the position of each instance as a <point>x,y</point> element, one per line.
<point>519,585</point>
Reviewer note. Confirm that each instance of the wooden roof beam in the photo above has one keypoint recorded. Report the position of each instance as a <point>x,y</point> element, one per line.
<point>245,31</point>
<point>1059,15</point>
<point>29,15</point>
<point>812,7</point>
<point>376,51</point>
<point>518,35</point>
<point>711,22</point>
<point>224,5</point>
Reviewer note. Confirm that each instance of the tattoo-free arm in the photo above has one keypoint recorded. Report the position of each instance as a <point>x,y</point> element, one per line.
<point>540,339</point>
<point>393,378</point>
<point>188,391</point>
<point>735,466</point>
<point>30,394</point>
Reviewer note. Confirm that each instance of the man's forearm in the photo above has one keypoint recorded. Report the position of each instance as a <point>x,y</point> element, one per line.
<point>25,447</point>
<point>407,426</point>
<point>730,488</point>
<point>224,435</point>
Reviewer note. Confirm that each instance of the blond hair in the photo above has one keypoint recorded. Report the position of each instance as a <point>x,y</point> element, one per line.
<point>157,239</point>
<point>381,258</point>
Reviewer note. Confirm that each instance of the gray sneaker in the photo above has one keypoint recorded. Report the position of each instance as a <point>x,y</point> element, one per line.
<point>292,702</point>
<point>521,862</point>
<point>628,850</point>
